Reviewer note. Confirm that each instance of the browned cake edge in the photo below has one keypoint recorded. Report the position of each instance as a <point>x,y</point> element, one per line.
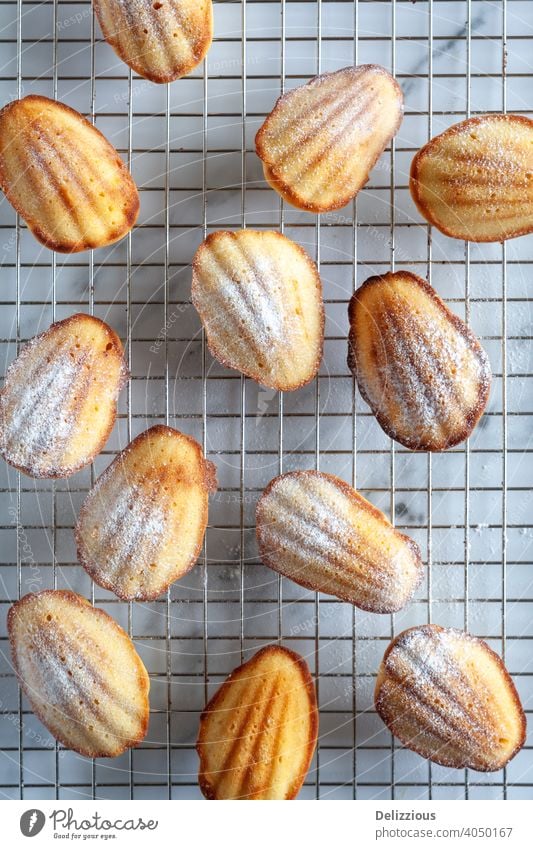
<point>353,495</point>
<point>212,705</point>
<point>143,680</point>
<point>289,193</point>
<point>119,351</point>
<point>206,244</point>
<point>427,150</point>
<point>181,71</point>
<point>130,192</point>
<point>467,334</point>
<point>209,481</point>
<point>387,719</point>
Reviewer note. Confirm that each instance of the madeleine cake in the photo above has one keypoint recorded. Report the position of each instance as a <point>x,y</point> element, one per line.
<point>59,400</point>
<point>259,297</point>
<point>322,139</point>
<point>474,181</point>
<point>63,177</point>
<point>80,673</point>
<point>143,523</point>
<point>160,39</point>
<point>420,369</point>
<point>447,695</point>
<point>259,731</point>
<point>316,530</point>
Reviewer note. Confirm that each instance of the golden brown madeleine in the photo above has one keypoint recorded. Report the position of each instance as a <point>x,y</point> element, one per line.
<point>321,140</point>
<point>161,40</point>
<point>420,369</point>
<point>80,672</point>
<point>474,181</point>
<point>260,300</point>
<point>258,733</point>
<point>446,695</point>
<point>143,523</point>
<point>316,530</point>
<point>59,400</point>
<point>63,177</point>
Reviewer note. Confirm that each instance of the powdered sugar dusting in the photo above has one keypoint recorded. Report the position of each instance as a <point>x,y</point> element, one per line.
<point>434,694</point>
<point>80,672</point>
<point>133,522</point>
<point>423,373</point>
<point>425,656</point>
<point>415,352</point>
<point>58,403</point>
<point>260,303</point>
<point>36,415</point>
<point>322,138</point>
<point>311,531</point>
<point>121,530</point>
<point>255,300</point>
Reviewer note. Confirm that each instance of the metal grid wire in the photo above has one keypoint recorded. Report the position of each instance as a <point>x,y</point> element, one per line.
<point>190,148</point>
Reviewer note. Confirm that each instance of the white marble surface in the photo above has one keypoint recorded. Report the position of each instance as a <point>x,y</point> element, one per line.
<point>394,34</point>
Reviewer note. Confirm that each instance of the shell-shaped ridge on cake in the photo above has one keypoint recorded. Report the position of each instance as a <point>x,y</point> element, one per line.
<point>259,297</point>
<point>446,695</point>
<point>63,177</point>
<point>420,369</point>
<point>322,139</point>
<point>474,181</point>
<point>59,400</point>
<point>315,529</point>
<point>142,525</point>
<point>80,672</point>
<point>259,731</point>
<point>161,40</point>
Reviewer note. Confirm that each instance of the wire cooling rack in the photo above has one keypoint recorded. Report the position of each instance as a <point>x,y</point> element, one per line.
<point>190,148</point>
